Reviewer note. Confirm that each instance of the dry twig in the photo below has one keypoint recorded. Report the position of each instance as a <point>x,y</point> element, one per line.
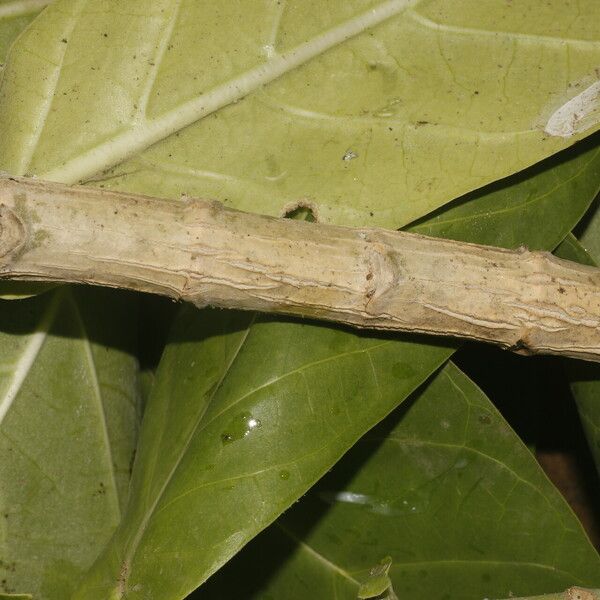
<point>201,252</point>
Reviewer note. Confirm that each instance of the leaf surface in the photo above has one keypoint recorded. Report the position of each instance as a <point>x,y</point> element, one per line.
<point>584,377</point>
<point>243,418</point>
<point>15,15</point>
<point>372,111</point>
<point>590,235</point>
<point>536,208</point>
<point>447,490</point>
<point>67,434</point>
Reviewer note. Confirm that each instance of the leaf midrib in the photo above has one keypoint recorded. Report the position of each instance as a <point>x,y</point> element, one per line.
<point>131,551</point>
<point>29,355</point>
<point>148,132</point>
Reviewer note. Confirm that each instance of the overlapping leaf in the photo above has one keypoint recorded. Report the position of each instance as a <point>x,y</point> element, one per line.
<point>93,83</point>
<point>373,111</point>
<point>447,490</point>
<point>67,435</point>
<point>242,420</point>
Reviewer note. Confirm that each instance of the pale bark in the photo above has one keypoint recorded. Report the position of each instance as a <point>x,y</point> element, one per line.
<point>201,252</point>
<point>573,593</point>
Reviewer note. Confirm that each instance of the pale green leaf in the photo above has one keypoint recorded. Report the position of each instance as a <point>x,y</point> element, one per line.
<point>67,434</point>
<point>443,486</point>
<point>585,377</point>
<point>243,418</point>
<point>372,111</point>
<point>15,15</point>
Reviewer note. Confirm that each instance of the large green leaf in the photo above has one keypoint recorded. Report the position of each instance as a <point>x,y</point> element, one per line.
<point>446,489</point>
<point>243,418</point>
<point>373,110</point>
<point>585,377</point>
<point>536,208</point>
<point>67,435</point>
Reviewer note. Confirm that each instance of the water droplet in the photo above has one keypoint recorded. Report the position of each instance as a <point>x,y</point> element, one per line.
<point>239,427</point>
<point>414,502</point>
<point>285,475</point>
<point>370,503</point>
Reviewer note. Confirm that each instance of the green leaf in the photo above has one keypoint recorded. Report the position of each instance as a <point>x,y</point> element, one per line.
<point>574,169</point>
<point>243,418</point>
<point>443,486</point>
<point>378,585</point>
<point>590,236</point>
<point>67,435</point>
<point>584,378</point>
<point>15,15</point>
<point>372,111</point>
<point>536,208</point>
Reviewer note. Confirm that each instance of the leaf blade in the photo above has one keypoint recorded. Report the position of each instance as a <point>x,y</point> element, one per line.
<point>267,409</point>
<point>466,510</point>
<point>57,503</point>
<point>380,109</point>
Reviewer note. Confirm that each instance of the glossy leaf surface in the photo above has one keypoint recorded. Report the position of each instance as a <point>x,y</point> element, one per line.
<point>243,418</point>
<point>67,434</point>
<point>446,489</point>
<point>374,111</point>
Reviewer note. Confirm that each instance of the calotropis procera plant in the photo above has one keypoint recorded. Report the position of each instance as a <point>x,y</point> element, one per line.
<point>124,477</point>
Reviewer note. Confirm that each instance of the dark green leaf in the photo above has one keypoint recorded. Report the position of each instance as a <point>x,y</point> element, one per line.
<point>243,418</point>
<point>445,488</point>
<point>590,235</point>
